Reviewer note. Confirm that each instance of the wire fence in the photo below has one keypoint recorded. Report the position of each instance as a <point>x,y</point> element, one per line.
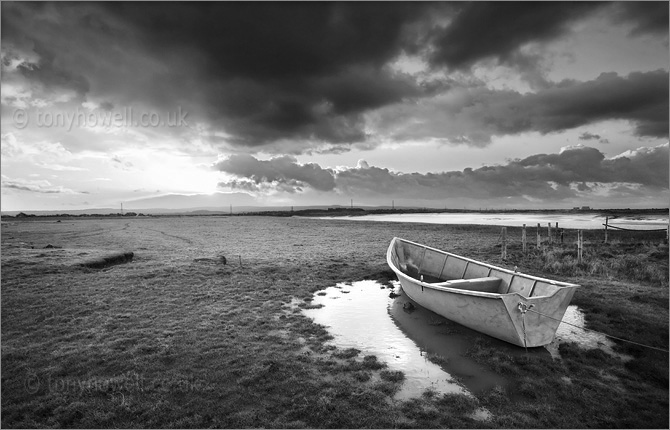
<point>540,237</point>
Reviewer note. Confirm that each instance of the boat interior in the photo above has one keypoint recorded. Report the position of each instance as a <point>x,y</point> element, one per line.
<point>448,270</point>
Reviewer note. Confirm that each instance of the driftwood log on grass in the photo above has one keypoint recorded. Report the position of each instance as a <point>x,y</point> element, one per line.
<point>107,260</point>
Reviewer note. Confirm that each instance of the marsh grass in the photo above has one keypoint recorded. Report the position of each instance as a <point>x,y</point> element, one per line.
<point>639,256</point>
<point>177,339</point>
<point>212,354</point>
<point>641,261</point>
<point>595,388</point>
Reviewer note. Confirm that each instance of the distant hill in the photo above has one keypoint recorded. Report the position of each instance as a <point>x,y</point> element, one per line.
<point>186,211</point>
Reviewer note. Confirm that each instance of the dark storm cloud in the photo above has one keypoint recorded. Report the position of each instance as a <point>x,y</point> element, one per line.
<point>647,17</point>
<point>68,53</point>
<point>45,78</point>
<point>588,136</point>
<point>35,186</point>
<point>488,182</point>
<point>498,29</point>
<point>646,166</point>
<point>592,136</point>
<point>284,70</point>
<point>284,171</point>
<point>541,176</point>
<point>261,71</point>
<point>473,114</point>
<point>639,97</point>
<point>31,187</point>
<point>326,108</point>
<point>306,74</point>
<point>274,40</point>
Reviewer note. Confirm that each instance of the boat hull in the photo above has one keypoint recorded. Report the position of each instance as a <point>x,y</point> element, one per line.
<point>504,316</point>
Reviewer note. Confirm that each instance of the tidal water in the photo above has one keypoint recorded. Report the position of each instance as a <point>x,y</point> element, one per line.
<point>576,221</point>
<point>362,315</point>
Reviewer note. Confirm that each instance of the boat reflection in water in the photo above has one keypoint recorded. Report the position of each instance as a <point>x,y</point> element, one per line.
<point>363,316</point>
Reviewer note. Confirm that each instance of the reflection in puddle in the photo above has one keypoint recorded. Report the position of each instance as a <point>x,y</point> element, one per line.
<point>362,315</point>
<point>366,318</point>
<point>584,338</point>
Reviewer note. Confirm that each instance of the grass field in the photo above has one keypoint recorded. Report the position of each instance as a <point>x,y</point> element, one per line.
<point>176,338</point>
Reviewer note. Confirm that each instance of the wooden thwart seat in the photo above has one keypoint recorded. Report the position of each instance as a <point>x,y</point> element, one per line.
<point>489,284</point>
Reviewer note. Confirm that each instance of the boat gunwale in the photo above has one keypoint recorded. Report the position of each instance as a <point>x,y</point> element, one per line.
<point>558,284</point>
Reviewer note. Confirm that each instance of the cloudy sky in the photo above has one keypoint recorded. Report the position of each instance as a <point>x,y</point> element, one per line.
<point>497,105</point>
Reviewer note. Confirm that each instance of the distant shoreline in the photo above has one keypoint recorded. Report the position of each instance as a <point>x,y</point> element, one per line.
<point>334,212</point>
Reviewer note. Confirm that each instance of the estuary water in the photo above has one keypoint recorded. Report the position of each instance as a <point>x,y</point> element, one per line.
<point>587,221</point>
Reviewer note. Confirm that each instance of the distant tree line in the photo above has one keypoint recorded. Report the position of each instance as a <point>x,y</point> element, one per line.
<point>25,215</point>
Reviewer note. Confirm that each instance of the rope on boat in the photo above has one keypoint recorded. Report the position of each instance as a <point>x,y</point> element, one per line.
<point>523,308</point>
<point>523,322</point>
<point>587,329</point>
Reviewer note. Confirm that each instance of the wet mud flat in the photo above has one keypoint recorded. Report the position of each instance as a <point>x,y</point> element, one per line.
<point>176,338</point>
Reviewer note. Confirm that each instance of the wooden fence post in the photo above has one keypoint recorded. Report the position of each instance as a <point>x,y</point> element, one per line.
<point>549,233</point>
<point>523,239</point>
<point>538,235</point>
<point>504,243</point>
<point>580,245</point>
<point>606,222</point>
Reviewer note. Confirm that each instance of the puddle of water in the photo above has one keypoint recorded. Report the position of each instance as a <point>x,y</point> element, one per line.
<point>481,414</point>
<point>584,338</point>
<point>363,316</point>
<point>436,335</point>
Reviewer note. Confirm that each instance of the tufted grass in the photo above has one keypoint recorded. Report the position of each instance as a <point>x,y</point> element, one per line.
<point>177,339</point>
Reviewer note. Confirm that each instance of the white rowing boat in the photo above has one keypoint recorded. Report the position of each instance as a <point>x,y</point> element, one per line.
<point>520,309</point>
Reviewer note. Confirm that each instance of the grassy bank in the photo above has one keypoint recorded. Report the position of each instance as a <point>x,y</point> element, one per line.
<point>177,339</point>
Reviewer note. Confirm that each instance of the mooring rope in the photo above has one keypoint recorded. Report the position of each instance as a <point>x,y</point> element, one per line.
<point>596,331</point>
<point>523,322</point>
<point>523,308</point>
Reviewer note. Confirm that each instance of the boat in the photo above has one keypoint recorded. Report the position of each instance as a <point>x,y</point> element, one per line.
<point>521,309</point>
